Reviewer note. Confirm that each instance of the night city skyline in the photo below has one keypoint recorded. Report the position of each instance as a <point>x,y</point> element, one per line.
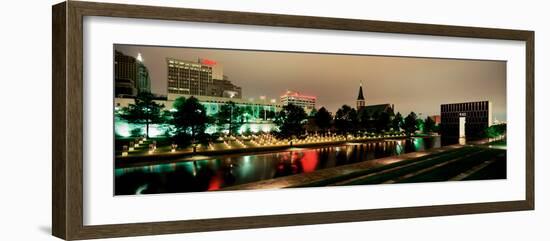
<point>196,120</point>
<point>411,84</point>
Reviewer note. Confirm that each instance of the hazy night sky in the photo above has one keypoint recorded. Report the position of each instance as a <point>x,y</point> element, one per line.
<point>411,84</point>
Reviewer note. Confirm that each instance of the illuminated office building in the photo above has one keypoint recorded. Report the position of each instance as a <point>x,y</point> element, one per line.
<point>295,98</point>
<point>202,78</point>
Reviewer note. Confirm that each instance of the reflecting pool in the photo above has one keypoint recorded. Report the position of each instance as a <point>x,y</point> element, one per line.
<point>214,173</point>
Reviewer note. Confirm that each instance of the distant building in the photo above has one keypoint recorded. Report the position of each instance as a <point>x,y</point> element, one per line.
<point>125,75</point>
<point>436,119</point>
<point>498,122</point>
<point>217,68</point>
<point>125,88</point>
<point>188,78</point>
<point>223,88</point>
<point>202,78</point>
<point>372,110</point>
<point>375,110</point>
<point>131,75</point>
<point>468,119</point>
<point>143,82</point>
<point>257,109</point>
<point>295,98</point>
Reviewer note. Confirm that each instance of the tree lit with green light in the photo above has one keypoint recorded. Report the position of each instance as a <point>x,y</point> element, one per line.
<point>410,124</point>
<point>144,111</point>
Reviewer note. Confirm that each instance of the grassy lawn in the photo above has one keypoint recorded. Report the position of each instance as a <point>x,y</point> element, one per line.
<point>455,152</point>
<point>463,158</point>
<point>496,170</point>
<point>376,179</point>
<point>446,172</point>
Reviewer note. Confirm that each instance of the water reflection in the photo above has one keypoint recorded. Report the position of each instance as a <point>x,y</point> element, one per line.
<point>216,173</point>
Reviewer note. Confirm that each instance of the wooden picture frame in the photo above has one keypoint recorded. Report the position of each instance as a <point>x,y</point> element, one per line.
<point>67,123</point>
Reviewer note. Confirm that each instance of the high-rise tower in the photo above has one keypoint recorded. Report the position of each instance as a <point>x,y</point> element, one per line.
<point>131,75</point>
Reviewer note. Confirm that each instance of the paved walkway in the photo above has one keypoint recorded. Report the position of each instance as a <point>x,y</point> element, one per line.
<point>324,174</point>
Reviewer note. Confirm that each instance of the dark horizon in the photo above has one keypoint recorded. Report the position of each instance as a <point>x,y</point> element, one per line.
<point>410,83</point>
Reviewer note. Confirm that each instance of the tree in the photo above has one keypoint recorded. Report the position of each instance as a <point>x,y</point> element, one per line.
<point>313,112</point>
<point>382,121</point>
<point>345,119</point>
<point>291,120</point>
<point>495,130</point>
<point>429,125</point>
<point>270,114</point>
<point>144,111</point>
<point>410,123</point>
<point>323,119</point>
<point>190,118</point>
<point>364,119</point>
<point>178,103</point>
<point>397,122</point>
<point>247,113</point>
<point>420,125</point>
<point>230,114</point>
<point>353,120</point>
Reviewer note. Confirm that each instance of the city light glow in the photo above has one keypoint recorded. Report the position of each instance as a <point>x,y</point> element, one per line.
<point>213,137</point>
<point>139,58</point>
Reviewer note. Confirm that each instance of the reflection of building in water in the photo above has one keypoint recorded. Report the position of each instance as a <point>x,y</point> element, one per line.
<point>257,114</point>
<point>468,119</point>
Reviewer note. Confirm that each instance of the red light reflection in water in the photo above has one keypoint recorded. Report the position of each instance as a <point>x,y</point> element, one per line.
<point>215,182</point>
<point>309,161</point>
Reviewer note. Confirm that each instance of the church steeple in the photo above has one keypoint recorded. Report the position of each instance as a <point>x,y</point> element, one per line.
<point>360,98</point>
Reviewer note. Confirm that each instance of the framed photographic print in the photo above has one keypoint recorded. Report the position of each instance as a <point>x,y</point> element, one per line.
<point>171,120</point>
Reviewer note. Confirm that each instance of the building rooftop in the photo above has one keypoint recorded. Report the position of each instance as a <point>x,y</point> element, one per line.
<point>373,109</point>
